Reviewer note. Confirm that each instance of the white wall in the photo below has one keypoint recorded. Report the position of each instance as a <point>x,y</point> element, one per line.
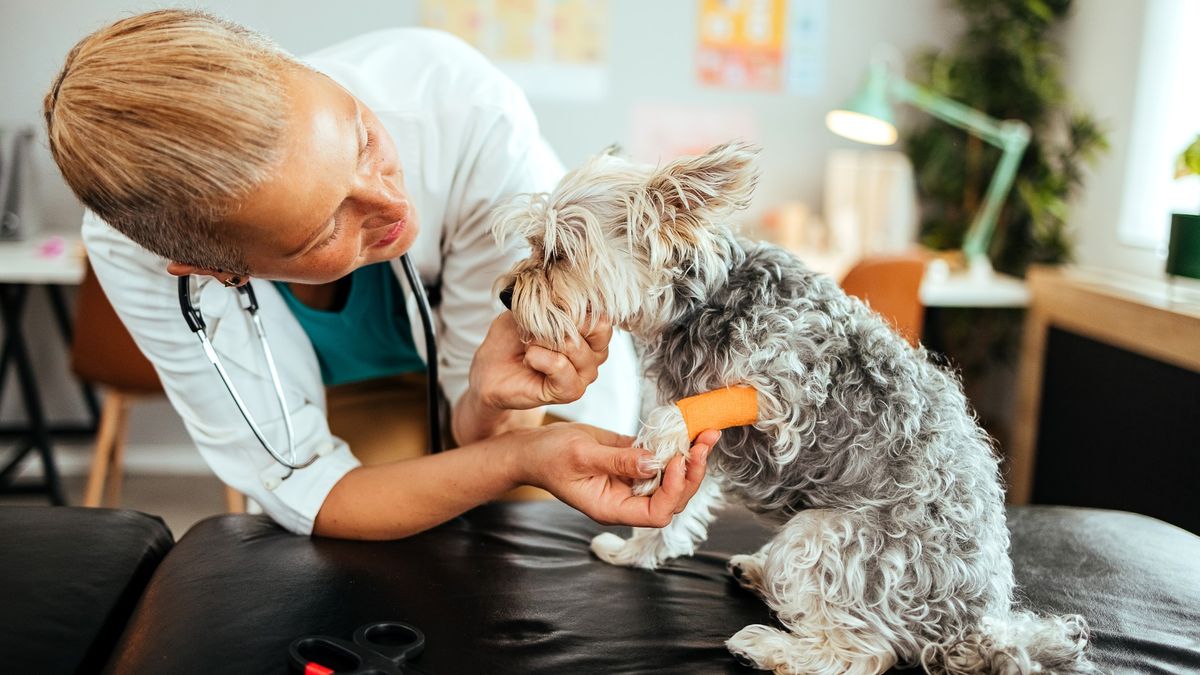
<point>651,49</point>
<point>651,46</point>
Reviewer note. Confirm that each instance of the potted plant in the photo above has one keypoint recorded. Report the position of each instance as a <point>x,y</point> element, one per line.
<point>1183,251</point>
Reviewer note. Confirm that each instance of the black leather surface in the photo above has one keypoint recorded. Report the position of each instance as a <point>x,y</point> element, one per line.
<point>512,588</point>
<point>1135,579</point>
<point>69,580</point>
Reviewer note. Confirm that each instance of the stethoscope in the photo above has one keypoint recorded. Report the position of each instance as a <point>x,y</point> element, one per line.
<point>249,303</point>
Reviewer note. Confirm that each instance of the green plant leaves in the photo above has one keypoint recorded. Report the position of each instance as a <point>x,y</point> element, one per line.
<point>1189,161</point>
<point>1007,64</point>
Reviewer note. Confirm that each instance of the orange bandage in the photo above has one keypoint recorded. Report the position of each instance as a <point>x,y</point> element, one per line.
<point>719,409</point>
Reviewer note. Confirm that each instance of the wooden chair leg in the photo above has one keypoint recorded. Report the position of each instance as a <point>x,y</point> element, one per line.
<point>235,502</point>
<point>116,473</point>
<point>110,418</point>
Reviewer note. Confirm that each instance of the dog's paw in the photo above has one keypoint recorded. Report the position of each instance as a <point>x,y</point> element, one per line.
<point>607,547</point>
<point>745,647</point>
<point>664,435</point>
<point>625,553</point>
<point>646,487</point>
<point>747,570</point>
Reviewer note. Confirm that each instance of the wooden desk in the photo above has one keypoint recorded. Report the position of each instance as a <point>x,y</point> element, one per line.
<point>939,288</point>
<point>1130,314</point>
<point>960,289</point>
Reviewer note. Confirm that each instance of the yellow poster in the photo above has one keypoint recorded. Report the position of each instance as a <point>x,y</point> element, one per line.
<point>578,31</point>
<point>552,48</point>
<point>741,43</point>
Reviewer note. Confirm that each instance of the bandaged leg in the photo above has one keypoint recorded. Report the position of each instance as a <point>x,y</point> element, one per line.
<point>670,429</point>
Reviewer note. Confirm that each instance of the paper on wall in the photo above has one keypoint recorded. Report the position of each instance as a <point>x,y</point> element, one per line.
<point>553,49</point>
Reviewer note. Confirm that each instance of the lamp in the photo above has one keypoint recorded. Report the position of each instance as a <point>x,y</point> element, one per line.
<point>868,118</point>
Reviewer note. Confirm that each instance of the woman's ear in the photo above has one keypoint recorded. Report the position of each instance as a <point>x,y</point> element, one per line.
<point>183,269</point>
<point>227,278</point>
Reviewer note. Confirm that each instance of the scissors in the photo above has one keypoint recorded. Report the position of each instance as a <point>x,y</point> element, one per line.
<point>382,648</point>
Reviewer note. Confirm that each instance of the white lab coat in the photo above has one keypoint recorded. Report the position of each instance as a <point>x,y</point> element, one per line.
<point>467,140</point>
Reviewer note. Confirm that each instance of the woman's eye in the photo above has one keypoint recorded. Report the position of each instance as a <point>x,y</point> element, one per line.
<point>369,145</point>
<point>337,229</point>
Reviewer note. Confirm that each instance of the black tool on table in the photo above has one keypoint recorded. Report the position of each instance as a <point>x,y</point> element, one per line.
<point>379,647</point>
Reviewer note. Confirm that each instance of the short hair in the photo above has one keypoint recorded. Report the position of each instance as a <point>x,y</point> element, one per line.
<point>163,122</point>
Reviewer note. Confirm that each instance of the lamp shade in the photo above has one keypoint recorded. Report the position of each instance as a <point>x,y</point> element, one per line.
<point>868,117</point>
<point>1183,252</point>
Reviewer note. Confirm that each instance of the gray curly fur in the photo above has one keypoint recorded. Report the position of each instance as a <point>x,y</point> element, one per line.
<point>892,545</point>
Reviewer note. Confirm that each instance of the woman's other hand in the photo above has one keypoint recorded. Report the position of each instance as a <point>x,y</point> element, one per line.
<point>507,374</point>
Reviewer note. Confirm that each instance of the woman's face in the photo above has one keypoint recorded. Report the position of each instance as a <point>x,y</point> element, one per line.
<point>337,200</point>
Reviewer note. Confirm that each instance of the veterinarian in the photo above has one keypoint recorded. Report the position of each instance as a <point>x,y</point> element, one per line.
<point>200,148</point>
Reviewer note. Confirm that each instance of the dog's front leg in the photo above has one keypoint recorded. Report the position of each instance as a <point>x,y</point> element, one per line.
<point>669,429</point>
<point>648,547</point>
<point>665,435</point>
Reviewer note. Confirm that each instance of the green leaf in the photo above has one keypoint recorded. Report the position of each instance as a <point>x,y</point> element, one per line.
<point>1040,9</point>
<point>1189,161</point>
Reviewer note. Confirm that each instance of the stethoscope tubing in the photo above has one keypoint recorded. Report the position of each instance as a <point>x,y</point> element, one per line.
<point>249,301</point>
<point>431,361</point>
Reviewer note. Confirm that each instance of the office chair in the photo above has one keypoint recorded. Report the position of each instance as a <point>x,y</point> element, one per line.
<point>104,353</point>
<point>891,285</point>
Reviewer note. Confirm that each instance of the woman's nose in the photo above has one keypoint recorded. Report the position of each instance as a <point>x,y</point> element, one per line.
<point>380,192</point>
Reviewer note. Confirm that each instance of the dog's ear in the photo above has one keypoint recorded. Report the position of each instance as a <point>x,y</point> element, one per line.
<point>707,186</point>
<point>521,217</point>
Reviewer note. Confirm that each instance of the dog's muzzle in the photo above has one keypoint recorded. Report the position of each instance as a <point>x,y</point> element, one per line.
<point>506,296</point>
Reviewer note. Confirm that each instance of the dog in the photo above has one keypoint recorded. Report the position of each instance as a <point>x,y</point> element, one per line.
<point>890,546</point>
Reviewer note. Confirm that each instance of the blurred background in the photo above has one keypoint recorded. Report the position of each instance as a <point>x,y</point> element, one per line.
<point>1107,89</point>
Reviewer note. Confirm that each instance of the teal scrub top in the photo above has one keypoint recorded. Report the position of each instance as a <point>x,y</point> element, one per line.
<point>369,337</point>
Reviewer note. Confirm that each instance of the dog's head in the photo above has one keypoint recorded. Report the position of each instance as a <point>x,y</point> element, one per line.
<point>615,236</point>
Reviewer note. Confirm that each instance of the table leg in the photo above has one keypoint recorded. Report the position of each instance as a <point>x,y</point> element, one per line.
<point>12,302</point>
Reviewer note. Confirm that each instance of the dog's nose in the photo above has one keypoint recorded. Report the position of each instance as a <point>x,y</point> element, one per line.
<point>506,296</point>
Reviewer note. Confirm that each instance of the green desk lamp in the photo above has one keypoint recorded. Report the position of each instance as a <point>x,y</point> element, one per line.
<point>868,118</point>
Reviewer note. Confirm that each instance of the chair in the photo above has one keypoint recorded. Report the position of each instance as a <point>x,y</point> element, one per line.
<point>891,285</point>
<point>103,352</point>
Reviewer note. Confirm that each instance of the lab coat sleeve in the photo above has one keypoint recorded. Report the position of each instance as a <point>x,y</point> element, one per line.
<point>506,155</point>
<point>144,296</point>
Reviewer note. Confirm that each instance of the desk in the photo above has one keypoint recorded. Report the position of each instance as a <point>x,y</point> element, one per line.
<point>1111,363</point>
<point>23,265</point>
<point>961,289</point>
<point>939,288</point>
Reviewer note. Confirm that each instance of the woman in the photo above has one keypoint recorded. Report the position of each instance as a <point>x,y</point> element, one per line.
<point>200,148</point>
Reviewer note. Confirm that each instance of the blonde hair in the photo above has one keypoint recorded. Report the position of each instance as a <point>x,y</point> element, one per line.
<point>163,122</point>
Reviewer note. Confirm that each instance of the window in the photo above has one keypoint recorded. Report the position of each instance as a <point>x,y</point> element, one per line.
<point>1166,118</point>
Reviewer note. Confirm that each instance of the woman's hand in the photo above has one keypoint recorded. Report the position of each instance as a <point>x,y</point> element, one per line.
<point>593,470</point>
<point>507,374</point>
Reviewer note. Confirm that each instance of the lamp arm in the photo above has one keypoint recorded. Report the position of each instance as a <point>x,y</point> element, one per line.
<point>1011,136</point>
<point>948,110</point>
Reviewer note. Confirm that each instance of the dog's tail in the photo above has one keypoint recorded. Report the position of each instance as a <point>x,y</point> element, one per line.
<point>1020,642</point>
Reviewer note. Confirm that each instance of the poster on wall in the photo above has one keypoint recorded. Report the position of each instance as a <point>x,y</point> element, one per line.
<point>765,45</point>
<point>553,49</point>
